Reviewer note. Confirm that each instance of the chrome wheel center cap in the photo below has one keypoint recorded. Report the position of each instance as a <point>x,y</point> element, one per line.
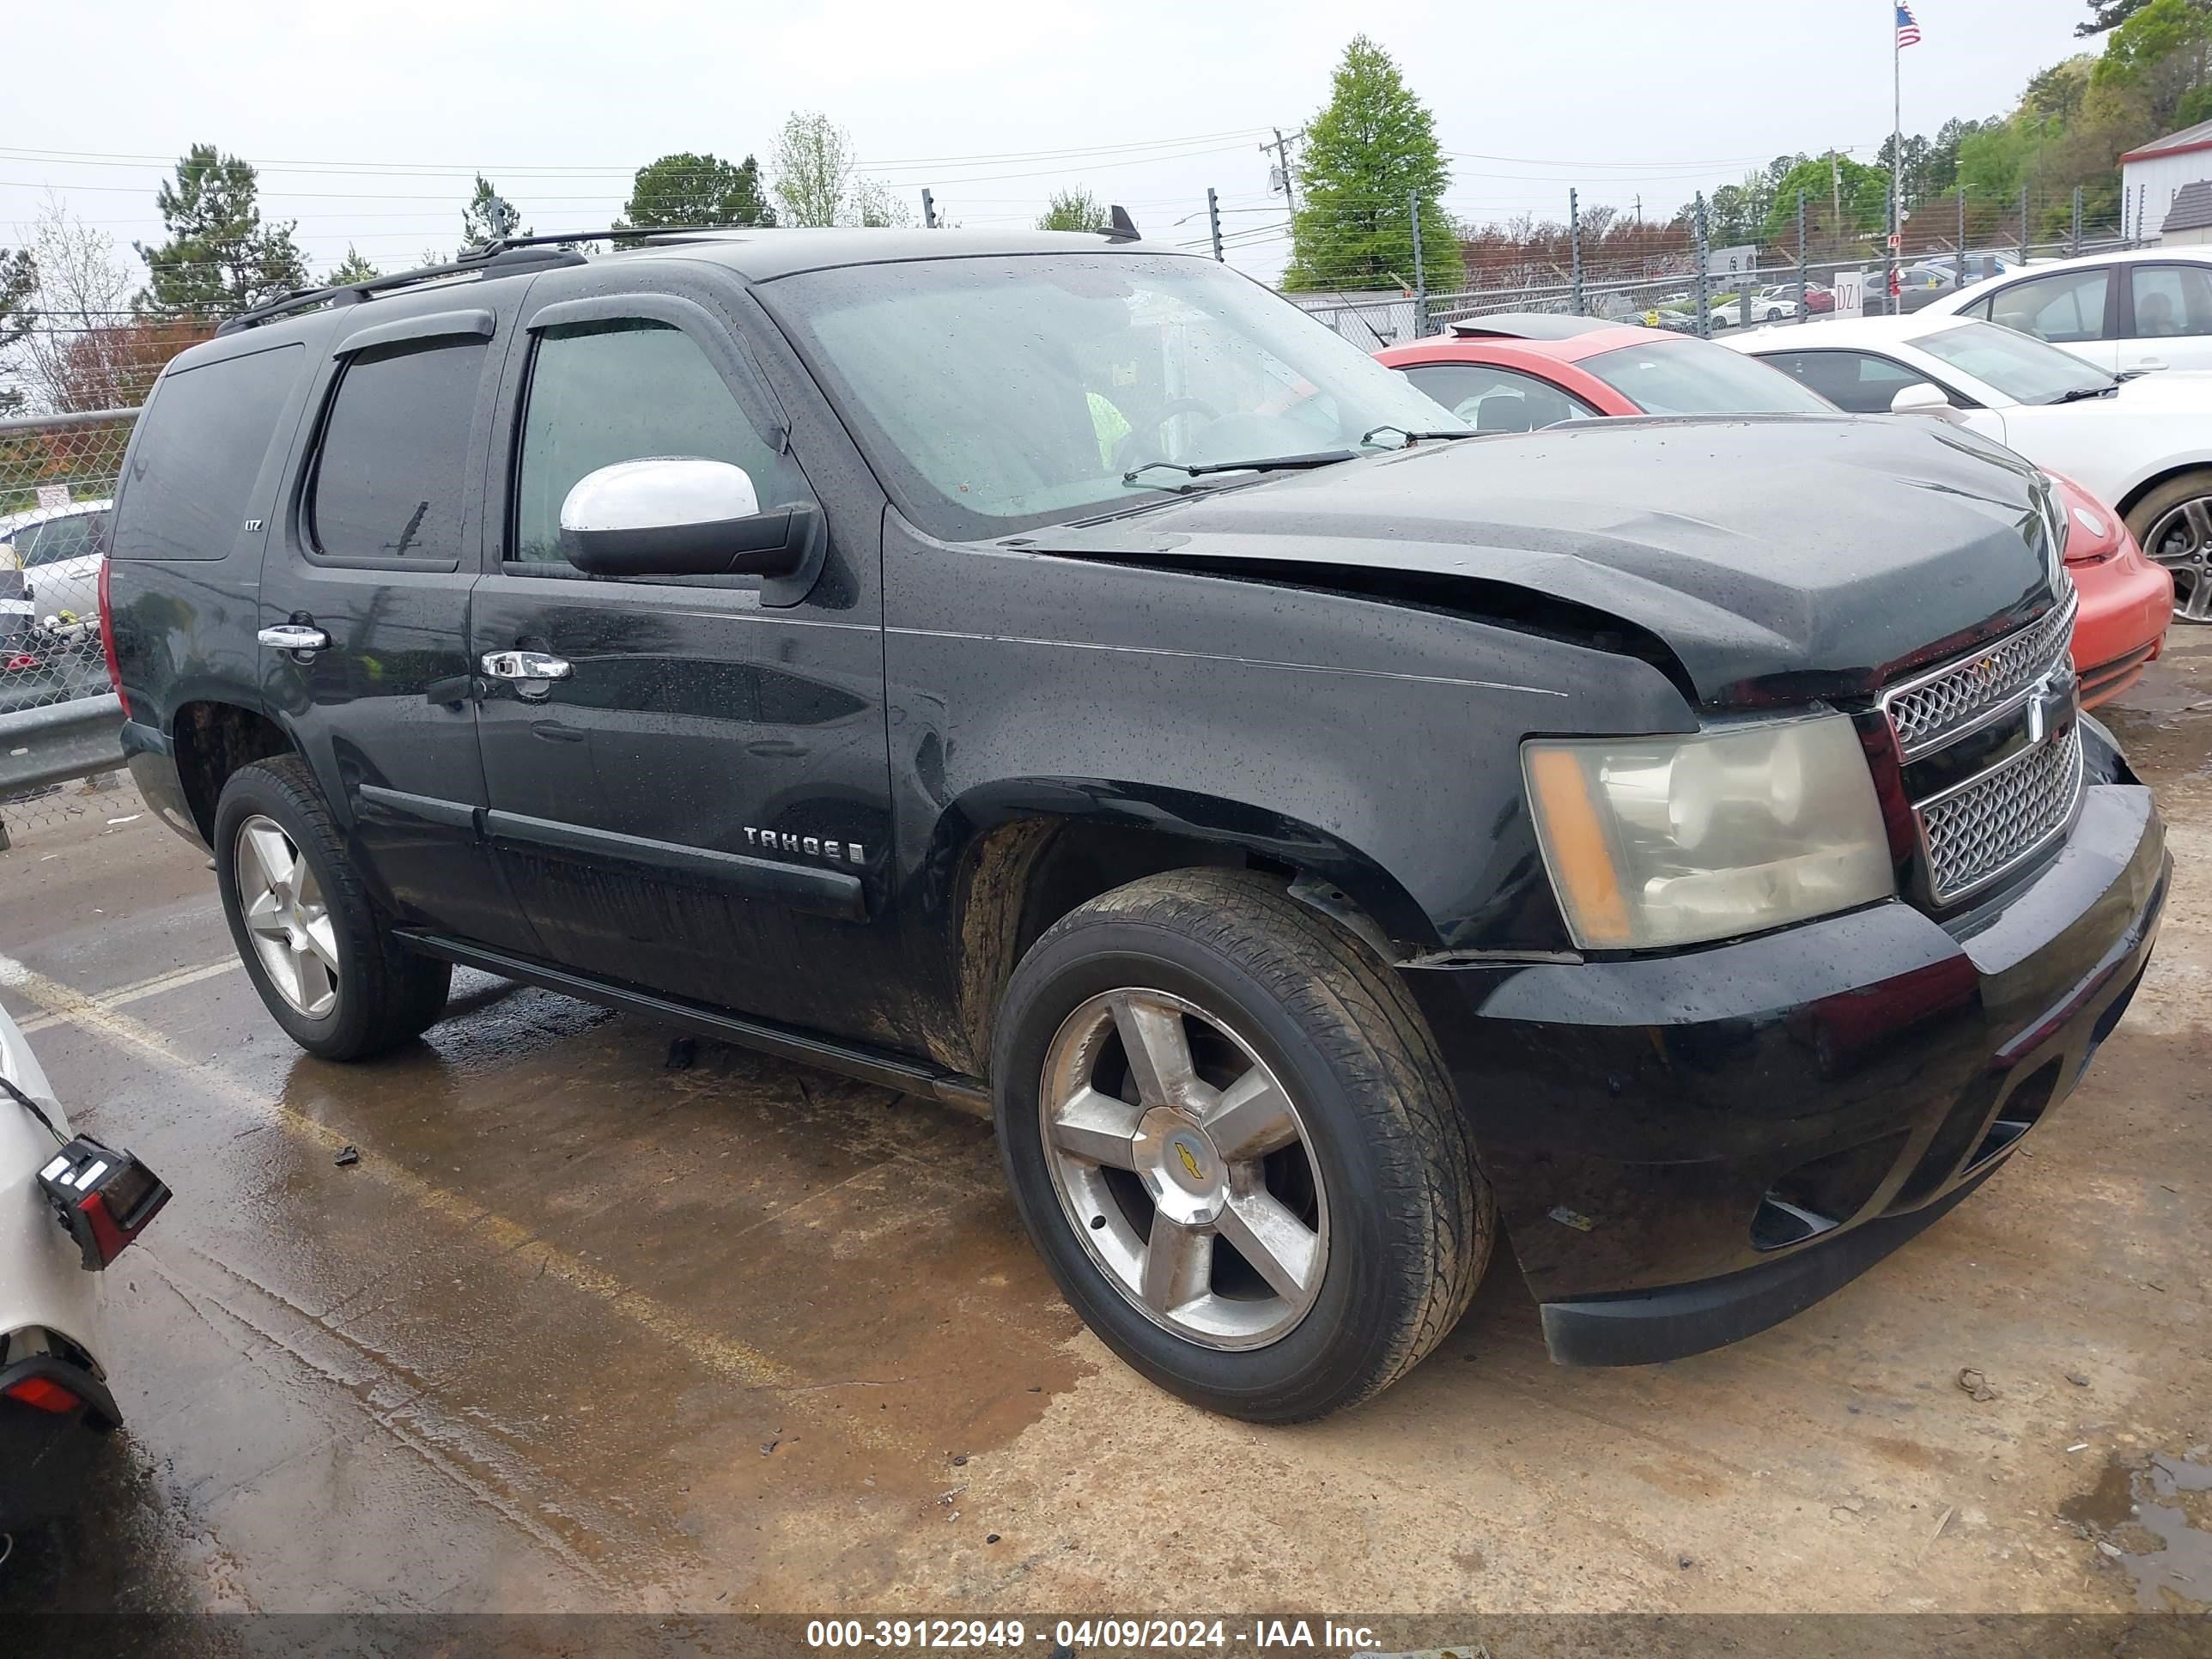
<point>1176,1161</point>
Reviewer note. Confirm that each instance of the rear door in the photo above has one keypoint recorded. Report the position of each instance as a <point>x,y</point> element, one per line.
<point>2165,316</point>
<point>702,805</point>
<point>370,569</point>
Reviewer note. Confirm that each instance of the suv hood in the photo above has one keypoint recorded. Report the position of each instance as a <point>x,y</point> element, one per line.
<point>1775,557</point>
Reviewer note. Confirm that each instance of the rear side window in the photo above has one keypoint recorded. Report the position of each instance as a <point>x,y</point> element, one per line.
<point>76,537</point>
<point>187,492</point>
<point>394,452</point>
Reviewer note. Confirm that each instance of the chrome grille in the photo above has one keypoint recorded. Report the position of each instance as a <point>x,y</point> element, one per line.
<point>1983,827</point>
<point>1925,709</point>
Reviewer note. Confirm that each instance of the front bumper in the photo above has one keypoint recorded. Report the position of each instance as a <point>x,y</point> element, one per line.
<point>1687,1149</point>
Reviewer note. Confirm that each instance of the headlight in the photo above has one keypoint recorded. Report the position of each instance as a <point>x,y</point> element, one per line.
<point>1655,842</point>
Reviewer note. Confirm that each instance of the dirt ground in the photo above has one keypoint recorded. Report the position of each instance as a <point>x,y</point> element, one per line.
<point>582,1330</point>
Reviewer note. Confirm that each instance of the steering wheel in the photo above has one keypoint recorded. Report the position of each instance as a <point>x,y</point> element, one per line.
<point>1125,453</point>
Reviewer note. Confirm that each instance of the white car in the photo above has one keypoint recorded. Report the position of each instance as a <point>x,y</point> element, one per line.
<point>2142,443</point>
<point>2144,308</point>
<point>1764,308</point>
<point>55,552</point>
<point>55,1407</point>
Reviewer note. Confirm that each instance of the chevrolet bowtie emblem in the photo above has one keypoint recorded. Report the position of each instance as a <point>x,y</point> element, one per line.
<point>2051,703</point>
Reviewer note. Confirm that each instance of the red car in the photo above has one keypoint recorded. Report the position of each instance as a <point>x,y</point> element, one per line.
<point>1518,373</point>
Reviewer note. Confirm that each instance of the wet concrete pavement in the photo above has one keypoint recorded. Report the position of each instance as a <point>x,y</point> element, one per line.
<point>580,1331</point>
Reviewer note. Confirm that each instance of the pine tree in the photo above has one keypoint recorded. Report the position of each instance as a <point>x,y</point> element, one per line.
<point>353,269</point>
<point>1366,158</point>
<point>220,258</point>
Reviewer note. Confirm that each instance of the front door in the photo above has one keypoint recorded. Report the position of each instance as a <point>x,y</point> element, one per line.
<point>699,803</point>
<point>370,570</point>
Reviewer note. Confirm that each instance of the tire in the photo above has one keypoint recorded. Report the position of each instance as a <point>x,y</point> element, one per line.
<point>380,994</point>
<point>1381,1176</point>
<point>2180,539</point>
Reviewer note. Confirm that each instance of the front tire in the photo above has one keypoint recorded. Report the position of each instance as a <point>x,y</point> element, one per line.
<point>2174,524</point>
<point>314,945</point>
<point>1230,1135</point>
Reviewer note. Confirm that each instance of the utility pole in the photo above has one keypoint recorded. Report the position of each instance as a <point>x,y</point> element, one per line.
<point>1282,148</point>
<point>1575,248</point>
<point>2076,248</point>
<point>929,210</point>
<point>1213,221</point>
<point>1420,275</point>
<point>1962,236</point>
<point>1836,193</point>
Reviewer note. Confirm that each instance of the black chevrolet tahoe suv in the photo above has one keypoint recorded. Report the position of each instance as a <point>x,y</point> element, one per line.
<point>1052,673</point>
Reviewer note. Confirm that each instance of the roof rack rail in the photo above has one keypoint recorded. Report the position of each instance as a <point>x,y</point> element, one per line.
<point>510,253</point>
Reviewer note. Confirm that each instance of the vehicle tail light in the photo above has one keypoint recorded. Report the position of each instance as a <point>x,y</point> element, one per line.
<point>103,1198</point>
<point>108,638</point>
<point>42,1394</point>
<point>18,661</point>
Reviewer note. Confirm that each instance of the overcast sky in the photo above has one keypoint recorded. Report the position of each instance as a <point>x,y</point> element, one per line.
<point>368,122</point>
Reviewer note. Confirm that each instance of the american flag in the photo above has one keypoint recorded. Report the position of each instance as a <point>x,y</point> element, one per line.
<point>1908,31</point>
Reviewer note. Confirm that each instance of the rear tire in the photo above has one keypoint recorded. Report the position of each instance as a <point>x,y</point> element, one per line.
<point>2173,523</point>
<point>1356,1226</point>
<point>316,947</point>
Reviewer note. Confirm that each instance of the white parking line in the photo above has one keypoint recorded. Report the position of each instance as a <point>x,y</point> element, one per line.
<point>138,991</point>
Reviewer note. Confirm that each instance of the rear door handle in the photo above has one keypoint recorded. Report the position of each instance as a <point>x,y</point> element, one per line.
<point>524,666</point>
<point>294,637</point>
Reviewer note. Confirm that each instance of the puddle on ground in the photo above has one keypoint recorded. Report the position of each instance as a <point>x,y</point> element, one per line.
<point>2155,1518</point>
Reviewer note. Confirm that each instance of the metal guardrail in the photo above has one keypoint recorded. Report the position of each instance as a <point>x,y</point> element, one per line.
<point>59,743</point>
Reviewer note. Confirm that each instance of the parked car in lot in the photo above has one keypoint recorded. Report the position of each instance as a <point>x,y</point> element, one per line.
<point>2143,444</point>
<point>1516,372</point>
<point>56,1411</point>
<point>55,554</point>
<point>2142,308</point>
<point>1324,834</point>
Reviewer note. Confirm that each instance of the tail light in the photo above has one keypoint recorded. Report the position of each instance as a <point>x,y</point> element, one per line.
<point>18,661</point>
<point>104,1197</point>
<point>42,1393</point>
<point>108,638</point>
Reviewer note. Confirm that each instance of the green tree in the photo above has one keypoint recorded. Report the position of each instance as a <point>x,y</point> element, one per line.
<point>684,189</point>
<point>220,258</point>
<point>1367,157</point>
<point>2159,57</point>
<point>2105,15</point>
<point>813,165</point>
<point>353,269</point>
<point>19,286</point>
<point>1074,208</point>
<point>1844,200</point>
<point>488,216</point>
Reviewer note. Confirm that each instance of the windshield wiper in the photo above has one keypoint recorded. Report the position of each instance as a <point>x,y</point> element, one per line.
<point>1368,436</point>
<point>1265,464</point>
<point>2076,394</point>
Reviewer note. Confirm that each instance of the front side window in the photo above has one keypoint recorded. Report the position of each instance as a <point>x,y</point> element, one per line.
<point>2068,306</point>
<point>2024,369</point>
<point>996,394</point>
<point>2172,301</point>
<point>622,391</point>
<point>1492,400</point>
<point>1860,382</point>
<point>389,472</point>
<point>1696,377</point>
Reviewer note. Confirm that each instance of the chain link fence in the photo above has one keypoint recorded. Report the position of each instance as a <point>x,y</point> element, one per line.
<point>57,478</point>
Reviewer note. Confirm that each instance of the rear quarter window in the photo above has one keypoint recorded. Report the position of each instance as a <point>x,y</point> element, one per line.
<point>187,489</point>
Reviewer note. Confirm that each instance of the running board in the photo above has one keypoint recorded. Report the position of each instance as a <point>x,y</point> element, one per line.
<point>875,1066</point>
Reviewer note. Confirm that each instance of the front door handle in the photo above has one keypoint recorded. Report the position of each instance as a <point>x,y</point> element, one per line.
<point>294,637</point>
<point>524,666</point>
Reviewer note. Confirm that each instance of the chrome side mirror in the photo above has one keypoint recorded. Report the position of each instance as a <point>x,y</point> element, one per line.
<point>682,516</point>
<point>1922,399</point>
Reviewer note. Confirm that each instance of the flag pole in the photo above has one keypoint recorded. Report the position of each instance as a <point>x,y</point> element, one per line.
<point>1896,129</point>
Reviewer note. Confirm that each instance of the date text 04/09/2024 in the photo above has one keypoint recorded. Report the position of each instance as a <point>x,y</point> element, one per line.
<point>1167,1635</point>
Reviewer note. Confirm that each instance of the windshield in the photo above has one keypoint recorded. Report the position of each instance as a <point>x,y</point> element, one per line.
<point>996,394</point>
<point>2022,367</point>
<point>1696,377</point>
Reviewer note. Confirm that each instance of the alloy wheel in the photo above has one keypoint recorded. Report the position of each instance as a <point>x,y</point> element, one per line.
<point>2181,540</point>
<point>1184,1166</point>
<point>286,916</point>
